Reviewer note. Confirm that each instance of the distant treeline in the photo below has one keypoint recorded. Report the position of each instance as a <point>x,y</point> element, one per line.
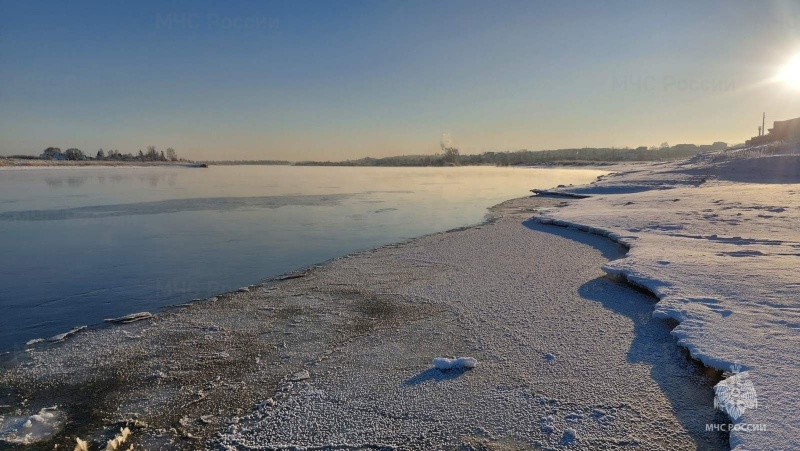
<point>248,162</point>
<point>20,157</point>
<point>524,157</point>
<point>73,154</point>
<point>449,157</point>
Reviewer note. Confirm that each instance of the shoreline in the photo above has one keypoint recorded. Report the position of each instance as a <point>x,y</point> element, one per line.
<point>363,318</point>
<point>171,284</point>
<point>19,164</point>
<point>24,165</point>
<point>685,221</point>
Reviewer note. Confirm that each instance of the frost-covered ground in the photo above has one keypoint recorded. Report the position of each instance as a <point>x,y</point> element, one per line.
<point>341,356</point>
<point>566,358</point>
<point>717,238</point>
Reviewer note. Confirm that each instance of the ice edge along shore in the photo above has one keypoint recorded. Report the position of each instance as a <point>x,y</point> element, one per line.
<point>495,291</point>
<point>714,239</point>
<point>652,284</point>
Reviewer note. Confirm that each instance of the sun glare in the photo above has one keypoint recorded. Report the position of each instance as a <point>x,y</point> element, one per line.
<point>790,73</point>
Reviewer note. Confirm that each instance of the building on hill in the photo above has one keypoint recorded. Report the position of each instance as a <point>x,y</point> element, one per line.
<point>786,131</point>
<point>56,156</point>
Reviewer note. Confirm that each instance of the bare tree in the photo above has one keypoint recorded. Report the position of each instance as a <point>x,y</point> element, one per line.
<point>152,154</point>
<point>171,154</point>
<point>450,152</point>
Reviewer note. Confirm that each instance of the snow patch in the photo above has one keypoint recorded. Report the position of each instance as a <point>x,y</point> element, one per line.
<point>26,430</point>
<point>727,274</point>
<point>458,363</point>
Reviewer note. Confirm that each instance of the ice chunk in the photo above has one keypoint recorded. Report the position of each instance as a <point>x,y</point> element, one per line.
<point>115,443</point>
<point>65,335</point>
<point>444,363</point>
<point>34,428</point>
<point>133,317</point>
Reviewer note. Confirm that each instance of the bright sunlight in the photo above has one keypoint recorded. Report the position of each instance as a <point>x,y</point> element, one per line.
<point>790,72</point>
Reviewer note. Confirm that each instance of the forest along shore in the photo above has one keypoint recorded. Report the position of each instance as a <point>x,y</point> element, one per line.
<point>341,354</point>
<point>13,163</point>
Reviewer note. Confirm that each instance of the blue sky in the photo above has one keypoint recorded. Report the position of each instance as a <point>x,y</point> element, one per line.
<point>332,80</point>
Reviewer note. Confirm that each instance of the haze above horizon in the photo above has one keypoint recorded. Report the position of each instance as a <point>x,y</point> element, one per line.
<point>333,81</point>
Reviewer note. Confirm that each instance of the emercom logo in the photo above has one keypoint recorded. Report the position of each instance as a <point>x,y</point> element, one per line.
<point>736,394</point>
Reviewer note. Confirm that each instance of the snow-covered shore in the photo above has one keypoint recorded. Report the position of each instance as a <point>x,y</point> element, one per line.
<point>716,238</point>
<point>341,355</point>
<point>558,355</point>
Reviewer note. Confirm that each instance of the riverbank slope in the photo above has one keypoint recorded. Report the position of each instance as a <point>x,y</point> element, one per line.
<point>716,239</point>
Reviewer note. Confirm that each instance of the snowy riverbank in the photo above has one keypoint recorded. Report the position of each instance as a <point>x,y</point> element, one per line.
<point>341,354</point>
<point>716,238</point>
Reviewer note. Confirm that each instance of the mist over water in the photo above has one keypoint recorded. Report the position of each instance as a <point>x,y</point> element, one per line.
<point>81,245</point>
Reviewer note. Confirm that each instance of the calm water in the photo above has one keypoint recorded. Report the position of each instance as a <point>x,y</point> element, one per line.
<point>81,245</point>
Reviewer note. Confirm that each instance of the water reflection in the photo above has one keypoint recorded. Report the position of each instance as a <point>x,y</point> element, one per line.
<point>171,206</point>
<point>58,182</point>
<point>77,180</point>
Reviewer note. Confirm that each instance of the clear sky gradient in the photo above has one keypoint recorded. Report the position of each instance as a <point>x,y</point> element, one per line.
<point>334,80</point>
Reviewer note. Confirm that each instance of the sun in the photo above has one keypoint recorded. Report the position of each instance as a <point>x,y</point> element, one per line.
<point>790,73</point>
